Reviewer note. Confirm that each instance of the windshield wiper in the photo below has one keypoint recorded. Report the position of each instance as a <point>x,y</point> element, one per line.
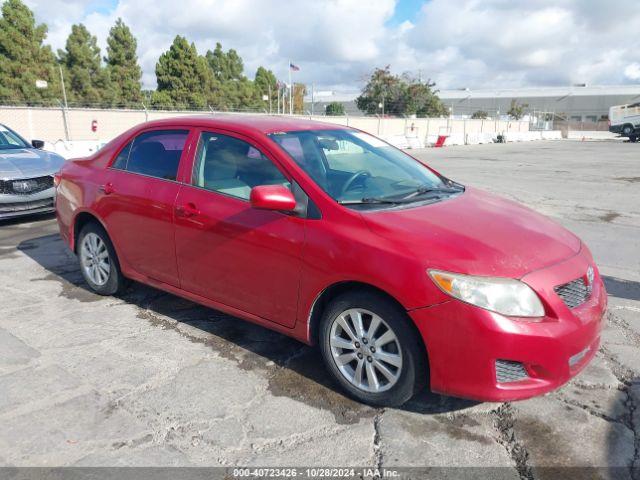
<point>369,200</point>
<point>424,189</point>
<point>410,198</point>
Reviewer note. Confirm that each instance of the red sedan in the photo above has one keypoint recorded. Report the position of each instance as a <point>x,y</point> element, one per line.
<point>336,238</point>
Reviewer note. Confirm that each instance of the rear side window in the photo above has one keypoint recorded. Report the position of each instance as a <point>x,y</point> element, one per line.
<point>156,154</point>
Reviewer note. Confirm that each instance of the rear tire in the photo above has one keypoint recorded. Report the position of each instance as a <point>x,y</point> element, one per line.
<point>371,349</point>
<point>627,130</point>
<point>98,261</point>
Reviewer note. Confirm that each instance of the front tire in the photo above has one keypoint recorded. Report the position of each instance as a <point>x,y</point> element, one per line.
<point>371,349</point>
<point>98,261</point>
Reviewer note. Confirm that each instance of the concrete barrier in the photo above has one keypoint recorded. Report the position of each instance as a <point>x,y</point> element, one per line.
<point>398,141</point>
<point>551,135</point>
<point>590,135</point>
<point>76,149</point>
<point>414,142</point>
<point>480,138</point>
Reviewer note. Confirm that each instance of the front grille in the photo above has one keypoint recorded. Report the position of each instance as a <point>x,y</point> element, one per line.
<point>508,371</point>
<point>25,206</point>
<point>574,293</point>
<point>34,185</point>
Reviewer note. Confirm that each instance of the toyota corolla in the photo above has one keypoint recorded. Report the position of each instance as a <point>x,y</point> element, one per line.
<point>401,276</point>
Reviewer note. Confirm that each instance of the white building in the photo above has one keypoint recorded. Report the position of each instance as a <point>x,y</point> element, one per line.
<point>576,103</point>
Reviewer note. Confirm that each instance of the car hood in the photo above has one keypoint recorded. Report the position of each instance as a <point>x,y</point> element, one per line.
<point>28,162</point>
<point>476,233</point>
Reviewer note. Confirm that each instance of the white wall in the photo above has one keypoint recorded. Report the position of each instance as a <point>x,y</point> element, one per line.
<point>49,123</point>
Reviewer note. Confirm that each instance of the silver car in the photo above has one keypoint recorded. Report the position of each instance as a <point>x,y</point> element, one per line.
<point>26,175</point>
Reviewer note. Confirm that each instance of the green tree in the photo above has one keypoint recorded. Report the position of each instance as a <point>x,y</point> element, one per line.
<point>480,114</point>
<point>184,78</point>
<point>87,81</point>
<point>225,66</point>
<point>395,95</point>
<point>24,59</point>
<point>516,110</point>
<point>420,99</point>
<point>237,92</point>
<point>264,82</point>
<point>335,109</point>
<point>382,88</point>
<point>122,65</point>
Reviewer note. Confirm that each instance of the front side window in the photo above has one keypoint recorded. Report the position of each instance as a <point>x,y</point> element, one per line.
<point>155,153</point>
<point>354,167</point>
<point>233,167</point>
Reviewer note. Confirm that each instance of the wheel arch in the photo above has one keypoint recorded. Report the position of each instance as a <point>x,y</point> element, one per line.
<point>79,221</point>
<point>332,291</point>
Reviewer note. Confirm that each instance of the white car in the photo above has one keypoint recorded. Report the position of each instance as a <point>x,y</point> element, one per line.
<point>26,175</point>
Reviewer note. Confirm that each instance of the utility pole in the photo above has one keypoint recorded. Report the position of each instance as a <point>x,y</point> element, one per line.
<point>65,106</point>
<point>312,99</point>
<point>290,91</point>
<point>64,92</point>
<point>269,88</point>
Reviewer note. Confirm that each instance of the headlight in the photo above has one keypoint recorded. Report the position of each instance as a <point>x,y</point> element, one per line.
<point>502,295</point>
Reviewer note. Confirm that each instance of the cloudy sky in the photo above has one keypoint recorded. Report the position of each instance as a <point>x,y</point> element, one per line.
<point>336,43</point>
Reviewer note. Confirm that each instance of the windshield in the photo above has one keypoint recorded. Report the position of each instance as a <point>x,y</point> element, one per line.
<point>356,168</point>
<point>10,139</point>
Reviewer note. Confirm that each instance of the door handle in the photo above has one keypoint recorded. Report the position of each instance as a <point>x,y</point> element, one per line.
<point>107,188</point>
<point>188,210</point>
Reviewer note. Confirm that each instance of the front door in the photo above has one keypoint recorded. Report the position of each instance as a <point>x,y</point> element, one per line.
<point>228,251</point>
<point>138,202</point>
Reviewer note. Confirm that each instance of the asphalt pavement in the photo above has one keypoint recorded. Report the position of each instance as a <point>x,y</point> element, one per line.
<point>149,379</point>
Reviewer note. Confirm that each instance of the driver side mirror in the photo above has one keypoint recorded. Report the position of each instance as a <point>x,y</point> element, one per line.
<point>272,197</point>
<point>39,144</point>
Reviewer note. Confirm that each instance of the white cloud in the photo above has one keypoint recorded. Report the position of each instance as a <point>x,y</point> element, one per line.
<point>519,42</point>
<point>474,43</point>
<point>632,72</point>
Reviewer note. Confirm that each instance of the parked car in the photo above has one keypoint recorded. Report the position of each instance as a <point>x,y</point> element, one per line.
<point>26,175</point>
<point>402,276</point>
<point>625,120</point>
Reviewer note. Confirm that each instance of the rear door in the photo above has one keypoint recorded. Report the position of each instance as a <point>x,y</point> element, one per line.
<point>138,201</point>
<point>228,251</point>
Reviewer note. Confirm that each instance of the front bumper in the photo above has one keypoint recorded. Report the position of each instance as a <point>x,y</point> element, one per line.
<point>18,205</point>
<point>464,342</point>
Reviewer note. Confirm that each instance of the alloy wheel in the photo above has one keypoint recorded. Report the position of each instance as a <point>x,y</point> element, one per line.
<point>94,257</point>
<point>366,350</point>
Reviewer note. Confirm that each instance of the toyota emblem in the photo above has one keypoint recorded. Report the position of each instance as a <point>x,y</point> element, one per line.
<point>24,186</point>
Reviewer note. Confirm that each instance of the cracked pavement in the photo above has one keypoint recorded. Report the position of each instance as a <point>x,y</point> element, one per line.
<point>149,379</point>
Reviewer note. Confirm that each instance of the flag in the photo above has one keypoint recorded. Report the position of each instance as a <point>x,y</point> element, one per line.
<point>293,68</point>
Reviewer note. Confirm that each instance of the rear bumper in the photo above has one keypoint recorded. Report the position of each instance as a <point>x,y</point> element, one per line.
<point>464,342</point>
<point>12,206</point>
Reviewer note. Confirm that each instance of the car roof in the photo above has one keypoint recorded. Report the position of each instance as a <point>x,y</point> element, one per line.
<point>264,124</point>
